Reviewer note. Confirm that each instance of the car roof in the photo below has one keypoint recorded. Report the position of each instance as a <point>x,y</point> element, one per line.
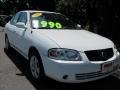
<point>31,11</point>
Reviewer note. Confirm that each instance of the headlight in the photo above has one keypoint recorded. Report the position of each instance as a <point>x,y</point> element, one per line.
<point>64,54</point>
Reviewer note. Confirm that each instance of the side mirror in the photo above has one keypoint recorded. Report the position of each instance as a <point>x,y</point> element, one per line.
<point>78,26</point>
<point>21,25</point>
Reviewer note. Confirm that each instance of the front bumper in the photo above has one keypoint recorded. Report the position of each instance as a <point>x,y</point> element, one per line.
<point>78,71</point>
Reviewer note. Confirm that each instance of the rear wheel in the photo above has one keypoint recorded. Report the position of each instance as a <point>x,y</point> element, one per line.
<point>7,44</point>
<point>36,67</point>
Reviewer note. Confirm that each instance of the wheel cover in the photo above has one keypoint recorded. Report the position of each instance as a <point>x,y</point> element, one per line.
<point>34,67</point>
<point>6,44</point>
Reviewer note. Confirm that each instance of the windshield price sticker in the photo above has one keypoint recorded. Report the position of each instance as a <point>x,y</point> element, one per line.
<point>37,14</point>
<point>51,24</point>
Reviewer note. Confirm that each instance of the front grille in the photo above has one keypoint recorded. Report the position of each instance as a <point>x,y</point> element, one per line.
<point>94,74</point>
<point>89,75</point>
<point>99,55</point>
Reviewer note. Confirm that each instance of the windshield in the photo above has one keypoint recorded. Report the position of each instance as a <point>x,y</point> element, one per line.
<point>40,20</point>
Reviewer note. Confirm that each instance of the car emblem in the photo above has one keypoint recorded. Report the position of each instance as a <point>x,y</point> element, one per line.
<point>103,55</point>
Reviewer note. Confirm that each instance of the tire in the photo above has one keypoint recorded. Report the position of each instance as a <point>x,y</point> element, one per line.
<point>7,44</point>
<point>36,66</point>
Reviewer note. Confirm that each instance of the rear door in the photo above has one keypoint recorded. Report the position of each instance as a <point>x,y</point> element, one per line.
<point>11,29</point>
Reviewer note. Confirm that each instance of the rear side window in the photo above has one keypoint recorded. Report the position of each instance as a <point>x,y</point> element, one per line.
<point>15,18</point>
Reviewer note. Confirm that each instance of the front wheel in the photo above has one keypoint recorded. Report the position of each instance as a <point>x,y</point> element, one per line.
<point>36,67</point>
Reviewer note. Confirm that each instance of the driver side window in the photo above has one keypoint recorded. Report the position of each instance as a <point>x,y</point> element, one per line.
<point>15,19</point>
<point>23,18</point>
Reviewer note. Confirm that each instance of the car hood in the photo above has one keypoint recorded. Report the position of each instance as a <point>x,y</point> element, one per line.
<point>80,40</point>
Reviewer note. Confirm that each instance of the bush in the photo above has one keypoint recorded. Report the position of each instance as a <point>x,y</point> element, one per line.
<point>3,19</point>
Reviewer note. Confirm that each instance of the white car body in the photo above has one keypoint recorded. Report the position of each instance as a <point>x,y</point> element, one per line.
<point>22,39</point>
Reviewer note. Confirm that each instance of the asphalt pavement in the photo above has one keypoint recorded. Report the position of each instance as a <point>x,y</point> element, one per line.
<point>14,75</point>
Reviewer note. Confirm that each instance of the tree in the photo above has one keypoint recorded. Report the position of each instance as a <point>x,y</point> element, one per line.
<point>75,9</point>
<point>102,16</point>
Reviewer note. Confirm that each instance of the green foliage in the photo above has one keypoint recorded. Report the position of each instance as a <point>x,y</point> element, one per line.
<point>3,20</point>
<point>75,9</point>
<point>99,16</point>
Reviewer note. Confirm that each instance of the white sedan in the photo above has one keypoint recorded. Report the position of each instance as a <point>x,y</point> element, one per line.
<point>57,48</point>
